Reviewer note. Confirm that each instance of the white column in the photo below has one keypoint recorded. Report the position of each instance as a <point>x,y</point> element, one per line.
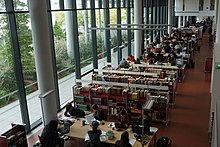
<point>179,21</point>
<point>170,15</point>
<point>218,24</point>
<point>69,29</point>
<point>184,21</point>
<point>43,59</point>
<point>137,33</point>
<point>215,100</point>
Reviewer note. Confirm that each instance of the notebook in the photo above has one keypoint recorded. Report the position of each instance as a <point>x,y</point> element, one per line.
<point>89,119</point>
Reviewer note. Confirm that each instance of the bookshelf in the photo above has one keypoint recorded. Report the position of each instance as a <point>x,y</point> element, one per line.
<point>143,80</point>
<point>16,136</point>
<point>113,96</point>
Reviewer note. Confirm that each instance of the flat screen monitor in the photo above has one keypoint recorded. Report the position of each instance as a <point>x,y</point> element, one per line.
<point>179,62</point>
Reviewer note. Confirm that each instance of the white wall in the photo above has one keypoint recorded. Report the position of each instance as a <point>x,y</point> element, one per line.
<point>178,5</point>
<point>192,8</point>
<point>191,5</point>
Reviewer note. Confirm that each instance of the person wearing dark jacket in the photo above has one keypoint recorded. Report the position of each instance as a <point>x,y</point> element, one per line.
<point>147,122</point>
<point>72,111</point>
<point>123,119</point>
<point>97,113</point>
<point>93,136</point>
<point>50,137</point>
<point>124,142</point>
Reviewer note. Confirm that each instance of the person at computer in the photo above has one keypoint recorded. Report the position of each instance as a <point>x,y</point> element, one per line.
<point>123,119</point>
<point>131,58</point>
<point>172,58</point>
<point>93,136</point>
<point>73,112</point>
<point>124,63</point>
<point>137,61</point>
<point>97,112</point>
<point>147,122</point>
<point>50,137</point>
<point>124,142</point>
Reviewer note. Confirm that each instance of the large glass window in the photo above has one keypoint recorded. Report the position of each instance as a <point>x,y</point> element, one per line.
<point>28,65</point>
<point>201,5</point>
<point>55,4</point>
<point>20,5</point>
<point>212,5</point>
<point>85,41</point>
<point>183,5</point>
<point>124,21</point>
<point>9,104</point>
<point>2,6</point>
<point>64,57</point>
<point>100,33</point>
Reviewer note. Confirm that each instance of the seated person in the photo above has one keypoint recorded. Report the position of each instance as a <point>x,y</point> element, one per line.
<point>123,120</point>
<point>124,142</point>
<point>159,57</point>
<point>49,136</point>
<point>97,112</point>
<point>151,55</point>
<point>124,63</point>
<point>131,58</point>
<point>147,124</point>
<point>137,61</point>
<point>93,136</point>
<point>72,111</point>
<point>172,58</point>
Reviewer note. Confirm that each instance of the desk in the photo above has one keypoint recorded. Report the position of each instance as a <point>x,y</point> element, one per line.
<point>78,131</point>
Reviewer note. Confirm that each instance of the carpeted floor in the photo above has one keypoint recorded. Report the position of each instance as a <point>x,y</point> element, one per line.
<point>189,119</point>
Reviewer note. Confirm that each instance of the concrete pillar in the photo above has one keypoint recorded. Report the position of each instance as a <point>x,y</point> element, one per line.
<point>170,15</point>
<point>43,59</point>
<point>137,33</point>
<point>218,24</point>
<point>179,21</point>
<point>184,21</point>
<point>68,4</point>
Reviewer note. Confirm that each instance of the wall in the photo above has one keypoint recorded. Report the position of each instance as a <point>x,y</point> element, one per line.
<point>215,97</point>
<point>192,8</point>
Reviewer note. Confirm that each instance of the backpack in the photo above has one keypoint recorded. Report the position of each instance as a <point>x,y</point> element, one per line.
<point>164,142</point>
<point>94,140</point>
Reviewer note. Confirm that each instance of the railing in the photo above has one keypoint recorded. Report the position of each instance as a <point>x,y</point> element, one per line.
<point>59,73</point>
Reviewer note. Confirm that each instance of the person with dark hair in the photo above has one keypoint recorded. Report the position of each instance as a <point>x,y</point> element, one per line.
<point>124,142</point>
<point>72,111</point>
<point>50,137</point>
<point>97,112</point>
<point>131,58</point>
<point>93,136</point>
<point>137,61</point>
<point>124,63</point>
<point>147,122</point>
<point>124,119</point>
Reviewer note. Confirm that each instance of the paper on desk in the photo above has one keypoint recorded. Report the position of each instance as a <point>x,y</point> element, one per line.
<point>102,136</point>
<point>69,118</point>
<point>153,129</point>
<point>111,125</point>
<point>132,141</point>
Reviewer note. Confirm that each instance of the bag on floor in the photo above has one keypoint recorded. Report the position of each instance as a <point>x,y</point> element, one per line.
<point>164,142</point>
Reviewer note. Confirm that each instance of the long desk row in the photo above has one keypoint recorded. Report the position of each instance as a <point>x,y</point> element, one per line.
<point>77,131</point>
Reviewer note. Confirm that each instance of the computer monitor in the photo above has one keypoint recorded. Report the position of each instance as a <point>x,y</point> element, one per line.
<point>179,62</point>
<point>138,129</point>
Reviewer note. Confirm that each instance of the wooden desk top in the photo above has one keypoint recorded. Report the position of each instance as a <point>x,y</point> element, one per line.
<point>79,131</point>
